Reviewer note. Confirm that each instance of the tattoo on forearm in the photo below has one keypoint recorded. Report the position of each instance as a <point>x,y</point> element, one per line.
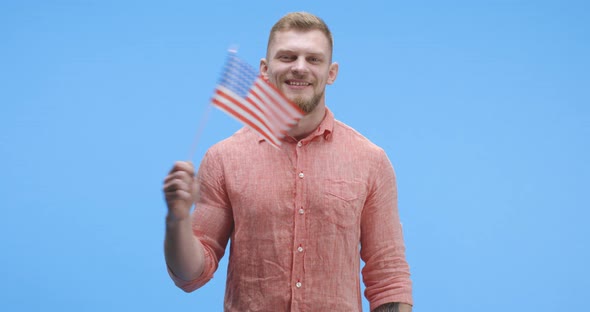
<point>388,307</point>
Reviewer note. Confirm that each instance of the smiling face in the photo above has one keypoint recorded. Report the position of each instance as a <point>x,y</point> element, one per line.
<point>299,64</point>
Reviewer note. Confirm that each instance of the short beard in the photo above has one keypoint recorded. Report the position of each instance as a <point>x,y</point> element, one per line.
<point>308,106</point>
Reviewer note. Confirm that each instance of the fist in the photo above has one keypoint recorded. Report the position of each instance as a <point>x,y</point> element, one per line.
<point>180,190</point>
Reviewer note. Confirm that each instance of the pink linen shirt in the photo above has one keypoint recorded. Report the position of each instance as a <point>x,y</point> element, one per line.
<point>300,219</point>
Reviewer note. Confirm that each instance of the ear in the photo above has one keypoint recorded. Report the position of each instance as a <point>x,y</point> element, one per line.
<point>333,73</point>
<point>264,69</point>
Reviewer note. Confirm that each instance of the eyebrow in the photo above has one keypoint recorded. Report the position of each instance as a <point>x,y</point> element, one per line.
<point>289,51</point>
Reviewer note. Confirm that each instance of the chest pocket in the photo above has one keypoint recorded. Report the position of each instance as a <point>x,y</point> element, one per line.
<point>342,202</point>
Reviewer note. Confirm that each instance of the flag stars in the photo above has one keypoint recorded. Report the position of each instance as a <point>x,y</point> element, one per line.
<point>238,76</point>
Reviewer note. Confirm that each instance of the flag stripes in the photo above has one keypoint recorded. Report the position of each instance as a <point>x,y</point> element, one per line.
<point>246,96</point>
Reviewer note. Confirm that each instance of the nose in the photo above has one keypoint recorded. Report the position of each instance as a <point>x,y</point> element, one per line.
<point>299,67</point>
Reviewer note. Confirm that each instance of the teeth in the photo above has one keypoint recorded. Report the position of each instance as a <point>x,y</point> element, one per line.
<point>293,83</point>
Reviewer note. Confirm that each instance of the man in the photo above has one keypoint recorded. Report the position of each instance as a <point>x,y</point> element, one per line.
<point>296,216</point>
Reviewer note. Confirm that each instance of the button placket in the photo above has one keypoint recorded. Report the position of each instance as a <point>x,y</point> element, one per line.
<point>299,234</point>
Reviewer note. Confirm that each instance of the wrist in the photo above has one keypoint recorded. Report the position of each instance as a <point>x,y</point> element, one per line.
<point>174,220</point>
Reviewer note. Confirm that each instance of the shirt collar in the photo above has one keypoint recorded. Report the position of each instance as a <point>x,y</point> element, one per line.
<point>324,129</point>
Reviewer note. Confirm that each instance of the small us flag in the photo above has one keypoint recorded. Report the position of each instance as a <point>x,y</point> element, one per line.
<point>246,96</point>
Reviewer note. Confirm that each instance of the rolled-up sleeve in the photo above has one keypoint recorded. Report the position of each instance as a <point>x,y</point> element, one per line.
<point>386,273</point>
<point>212,220</point>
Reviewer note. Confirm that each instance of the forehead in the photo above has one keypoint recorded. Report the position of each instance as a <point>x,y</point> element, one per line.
<point>312,41</point>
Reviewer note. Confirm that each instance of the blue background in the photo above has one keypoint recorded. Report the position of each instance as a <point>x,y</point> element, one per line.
<point>482,107</point>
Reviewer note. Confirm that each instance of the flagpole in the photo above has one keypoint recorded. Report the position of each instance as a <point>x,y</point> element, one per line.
<point>205,117</point>
<point>202,123</point>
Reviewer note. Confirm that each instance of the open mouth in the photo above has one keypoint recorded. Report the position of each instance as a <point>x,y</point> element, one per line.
<point>298,83</point>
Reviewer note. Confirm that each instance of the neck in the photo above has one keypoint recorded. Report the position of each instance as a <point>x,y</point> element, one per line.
<point>309,122</point>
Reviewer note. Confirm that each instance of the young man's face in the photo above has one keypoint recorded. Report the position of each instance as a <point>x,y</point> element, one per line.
<point>299,65</point>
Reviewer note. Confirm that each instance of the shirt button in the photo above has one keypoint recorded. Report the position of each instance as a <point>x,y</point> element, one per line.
<point>299,144</point>
<point>301,175</point>
<point>301,211</point>
<point>300,249</point>
<point>298,284</point>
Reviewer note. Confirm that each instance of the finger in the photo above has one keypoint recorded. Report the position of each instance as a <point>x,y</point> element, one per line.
<point>177,184</point>
<point>186,166</point>
<point>180,175</point>
<point>177,190</point>
<point>178,195</point>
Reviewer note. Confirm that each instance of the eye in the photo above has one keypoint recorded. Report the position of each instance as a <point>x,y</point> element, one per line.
<point>285,58</point>
<point>314,60</point>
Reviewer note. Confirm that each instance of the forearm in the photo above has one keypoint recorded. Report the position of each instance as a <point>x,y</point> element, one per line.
<point>394,307</point>
<point>184,253</point>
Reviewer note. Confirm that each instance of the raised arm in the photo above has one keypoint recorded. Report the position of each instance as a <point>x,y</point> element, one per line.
<point>184,253</point>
